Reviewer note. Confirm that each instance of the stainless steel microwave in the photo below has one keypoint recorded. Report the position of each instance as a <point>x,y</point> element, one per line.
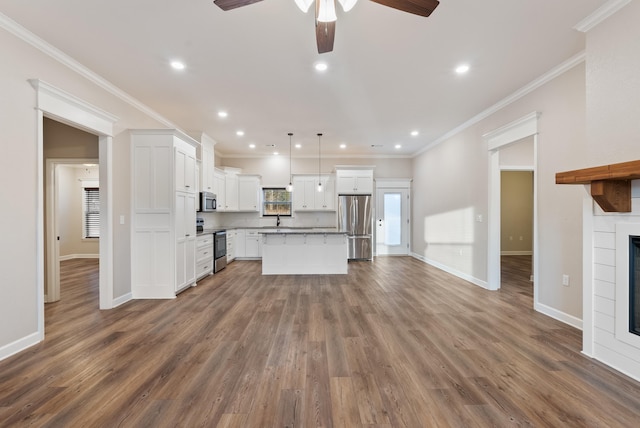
<point>207,202</point>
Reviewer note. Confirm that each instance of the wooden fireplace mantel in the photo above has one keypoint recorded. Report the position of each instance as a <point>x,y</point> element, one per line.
<point>610,184</point>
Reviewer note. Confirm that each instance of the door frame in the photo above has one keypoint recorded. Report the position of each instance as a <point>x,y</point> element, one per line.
<point>63,107</point>
<point>393,183</point>
<point>497,139</point>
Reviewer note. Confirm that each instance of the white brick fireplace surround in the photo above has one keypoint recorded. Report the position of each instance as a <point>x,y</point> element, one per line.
<point>606,287</point>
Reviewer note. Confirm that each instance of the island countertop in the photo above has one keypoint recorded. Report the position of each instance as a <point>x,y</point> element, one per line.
<point>302,231</point>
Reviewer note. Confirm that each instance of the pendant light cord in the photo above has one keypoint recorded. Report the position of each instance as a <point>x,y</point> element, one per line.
<point>319,182</point>
<point>290,176</point>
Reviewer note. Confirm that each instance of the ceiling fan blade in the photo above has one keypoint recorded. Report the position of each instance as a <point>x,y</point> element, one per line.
<point>417,7</point>
<point>325,32</point>
<point>232,4</point>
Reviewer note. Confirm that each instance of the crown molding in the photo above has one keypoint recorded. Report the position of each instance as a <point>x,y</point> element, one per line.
<point>601,14</point>
<point>22,33</point>
<point>525,90</point>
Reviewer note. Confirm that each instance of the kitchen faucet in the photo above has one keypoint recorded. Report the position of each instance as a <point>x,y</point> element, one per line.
<point>278,220</point>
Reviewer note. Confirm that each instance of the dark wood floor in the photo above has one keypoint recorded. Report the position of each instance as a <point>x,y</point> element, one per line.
<point>396,343</point>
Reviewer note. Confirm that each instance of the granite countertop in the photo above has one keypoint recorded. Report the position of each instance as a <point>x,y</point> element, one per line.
<point>303,231</point>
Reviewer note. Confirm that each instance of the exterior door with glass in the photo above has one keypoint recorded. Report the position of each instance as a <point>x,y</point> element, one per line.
<point>392,221</point>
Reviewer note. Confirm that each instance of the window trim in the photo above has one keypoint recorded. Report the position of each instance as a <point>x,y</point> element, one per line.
<point>86,185</point>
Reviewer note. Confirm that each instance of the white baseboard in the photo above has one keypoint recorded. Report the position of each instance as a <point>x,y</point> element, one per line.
<point>121,300</point>
<point>453,272</point>
<point>516,253</point>
<point>20,345</point>
<point>79,256</point>
<point>558,315</point>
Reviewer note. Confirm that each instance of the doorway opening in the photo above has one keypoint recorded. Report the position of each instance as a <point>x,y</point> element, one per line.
<point>505,147</point>
<point>62,107</point>
<point>72,210</point>
<point>393,208</point>
<point>516,230</point>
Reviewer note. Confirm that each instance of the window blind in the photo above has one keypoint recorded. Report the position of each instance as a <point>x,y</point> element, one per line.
<point>91,212</point>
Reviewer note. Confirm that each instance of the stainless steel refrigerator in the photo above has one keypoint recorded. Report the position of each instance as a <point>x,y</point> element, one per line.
<point>354,218</point>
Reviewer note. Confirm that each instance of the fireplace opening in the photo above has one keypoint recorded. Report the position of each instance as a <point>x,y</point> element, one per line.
<point>634,285</point>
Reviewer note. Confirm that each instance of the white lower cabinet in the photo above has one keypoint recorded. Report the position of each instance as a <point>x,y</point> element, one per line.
<point>204,255</point>
<point>185,241</point>
<point>231,245</point>
<point>248,244</point>
<point>253,244</point>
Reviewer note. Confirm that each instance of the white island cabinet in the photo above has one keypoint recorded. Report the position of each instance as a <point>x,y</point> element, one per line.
<point>304,252</point>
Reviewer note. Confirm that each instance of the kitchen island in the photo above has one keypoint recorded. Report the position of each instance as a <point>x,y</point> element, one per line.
<point>304,252</point>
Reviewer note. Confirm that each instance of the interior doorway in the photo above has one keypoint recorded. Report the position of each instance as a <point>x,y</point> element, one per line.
<point>70,216</point>
<point>393,217</point>
<point>516,229</point>
<point>499,143</point>
<point>56,104</point>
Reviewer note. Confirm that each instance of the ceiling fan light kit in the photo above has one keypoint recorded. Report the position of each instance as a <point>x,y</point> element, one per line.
<point>326,13</point>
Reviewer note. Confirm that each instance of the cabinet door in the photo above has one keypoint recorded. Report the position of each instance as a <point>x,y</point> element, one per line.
<point>346,184</point>
<point>185,171</point>
<point>231,192</point>
<point>220,190</point>
<point>298,193</point>
<point>254,245</point>
<point>207,180</point>
<point>240,247</point>
<point>248,188</point>
<point>364,182</point>
<point>185,227</point>
<point>326,198</point>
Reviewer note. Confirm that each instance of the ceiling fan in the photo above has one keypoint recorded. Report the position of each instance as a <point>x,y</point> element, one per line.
<point>326,13</point>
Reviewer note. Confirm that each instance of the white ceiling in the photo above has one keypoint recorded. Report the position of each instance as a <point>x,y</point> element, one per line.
<point>390,72</point>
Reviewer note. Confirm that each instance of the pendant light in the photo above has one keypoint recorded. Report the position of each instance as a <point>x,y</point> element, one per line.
<point>319,182</point>
<point>290,186</point>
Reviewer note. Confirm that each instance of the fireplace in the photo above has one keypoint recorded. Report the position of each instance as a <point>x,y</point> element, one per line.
<point>634,285</point>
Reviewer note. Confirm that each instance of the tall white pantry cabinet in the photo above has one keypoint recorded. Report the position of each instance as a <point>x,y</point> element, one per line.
<point>163,218</point>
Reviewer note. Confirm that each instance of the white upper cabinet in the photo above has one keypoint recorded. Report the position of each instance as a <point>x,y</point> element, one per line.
<point>185,170</point>
<point>206,155</point>
<point>249,193</point>
<point>231,191</point>
<point>354,181</point>
<point>306,196</point>
<point>325,200</point>
<point>219,189</point>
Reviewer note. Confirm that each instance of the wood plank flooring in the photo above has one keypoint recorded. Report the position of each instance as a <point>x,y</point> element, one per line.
<point>395,343</point>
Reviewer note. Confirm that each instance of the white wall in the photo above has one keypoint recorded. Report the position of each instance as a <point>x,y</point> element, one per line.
<point>613,135</point>
<point>19,172</point>
<point>452,191</point>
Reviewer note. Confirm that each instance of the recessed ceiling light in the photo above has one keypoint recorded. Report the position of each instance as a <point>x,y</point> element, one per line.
<point>398,146</point>
<point>223,114</point>
<point>177,65</point>
<point>239,133</point>
<point>414,133</point>
<point>321,66</point>
<point>462,68</point>
<point>276,153</point>
<point>343,146</point>
<point>252,146</point>
<point>298,145</point>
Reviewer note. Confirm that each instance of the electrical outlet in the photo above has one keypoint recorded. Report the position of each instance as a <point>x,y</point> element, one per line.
<point>530,278</point>
<point>565,280</point>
